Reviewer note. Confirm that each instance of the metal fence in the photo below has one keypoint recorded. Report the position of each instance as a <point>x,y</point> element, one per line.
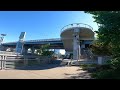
<point>16,61</point>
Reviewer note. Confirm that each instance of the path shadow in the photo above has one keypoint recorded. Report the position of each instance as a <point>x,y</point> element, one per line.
<point>54,64</point>
<point>81,75</point>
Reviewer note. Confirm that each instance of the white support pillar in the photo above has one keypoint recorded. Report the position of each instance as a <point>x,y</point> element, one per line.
<point>79,52</point>
<point>76,45</point>
<point>100,60</point>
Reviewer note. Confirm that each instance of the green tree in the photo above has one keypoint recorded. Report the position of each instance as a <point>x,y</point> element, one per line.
<point>109,29</point>
<point>109,36</point>
<point>99,49</point>
<point>109,26</point>
<point>44,50</point>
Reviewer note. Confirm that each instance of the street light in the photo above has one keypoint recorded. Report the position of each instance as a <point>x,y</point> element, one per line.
<point>1,38</point>
<point>3,34</point>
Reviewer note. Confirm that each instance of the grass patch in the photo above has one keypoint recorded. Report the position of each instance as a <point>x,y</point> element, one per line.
<point>101,71</point>
<point>33,62</point>
<point>19,63</point>
<point>87,66</point>
<point>106,74</point>
<point>30,63</point>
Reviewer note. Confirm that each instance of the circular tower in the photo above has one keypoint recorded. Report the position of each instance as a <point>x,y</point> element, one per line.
<point>75,37</point>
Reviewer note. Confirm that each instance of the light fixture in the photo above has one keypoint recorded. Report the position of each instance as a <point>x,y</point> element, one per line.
<point>2,37</point>
<point>3,34</point>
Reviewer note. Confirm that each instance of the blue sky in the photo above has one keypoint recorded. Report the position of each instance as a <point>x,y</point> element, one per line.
<point>40,24</point>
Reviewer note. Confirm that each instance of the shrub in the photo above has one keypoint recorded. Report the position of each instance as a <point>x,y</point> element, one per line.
<point>99,48</point>
<point>106,74</point>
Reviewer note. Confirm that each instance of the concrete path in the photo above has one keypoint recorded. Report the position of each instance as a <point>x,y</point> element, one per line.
<point>50,71</point>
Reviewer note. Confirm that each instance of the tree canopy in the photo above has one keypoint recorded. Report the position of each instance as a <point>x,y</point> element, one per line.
<point>109,38</point>
<point>109,28</point>
<point>44,50</point>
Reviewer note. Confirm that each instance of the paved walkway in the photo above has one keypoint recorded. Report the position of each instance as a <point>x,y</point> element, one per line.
<point>50,71</point>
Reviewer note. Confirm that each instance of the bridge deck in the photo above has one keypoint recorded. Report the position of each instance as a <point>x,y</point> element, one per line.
<point>54,43</point>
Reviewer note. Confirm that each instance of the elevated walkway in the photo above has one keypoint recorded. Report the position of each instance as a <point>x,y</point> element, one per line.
<point>55,43</point>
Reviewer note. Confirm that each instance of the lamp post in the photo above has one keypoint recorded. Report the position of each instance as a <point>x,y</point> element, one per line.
<point>1,38</point>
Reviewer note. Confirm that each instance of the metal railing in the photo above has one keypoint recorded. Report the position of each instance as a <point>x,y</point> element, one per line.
<point>76,25</point>
<point>10,42</point>
<point>43,40</point>
<point>14,62</point>
<point>8,53</point>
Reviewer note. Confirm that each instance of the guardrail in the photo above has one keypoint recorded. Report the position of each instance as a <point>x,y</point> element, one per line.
<point>76,25</point>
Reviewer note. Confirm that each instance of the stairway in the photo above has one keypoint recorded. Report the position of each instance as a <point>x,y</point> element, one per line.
<point>87,53</point>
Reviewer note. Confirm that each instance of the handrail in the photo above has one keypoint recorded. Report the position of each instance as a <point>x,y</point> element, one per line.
<point>10,53</point>
<point>76,25</point>
<point>43,40</point>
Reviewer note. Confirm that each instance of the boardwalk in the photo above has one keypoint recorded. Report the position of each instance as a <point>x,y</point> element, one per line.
<point>49,71</point>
